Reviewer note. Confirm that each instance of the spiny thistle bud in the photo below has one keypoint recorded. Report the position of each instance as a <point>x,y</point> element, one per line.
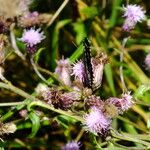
<point>23,113</point>
<point>6,128</point>
<point>63,70</point>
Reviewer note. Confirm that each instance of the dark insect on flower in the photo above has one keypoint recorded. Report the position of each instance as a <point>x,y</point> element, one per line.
<point>88,75</point>
<point>93,67</point>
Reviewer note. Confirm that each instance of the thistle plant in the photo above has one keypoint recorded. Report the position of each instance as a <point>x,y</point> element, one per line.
<point>70,78</point>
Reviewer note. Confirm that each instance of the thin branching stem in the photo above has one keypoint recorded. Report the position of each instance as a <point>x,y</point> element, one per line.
<point>13,43</point>
<point>121,67</point>
<point>58,12</point>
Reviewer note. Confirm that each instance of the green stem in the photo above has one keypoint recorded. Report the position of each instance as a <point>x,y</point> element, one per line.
<point>37,102</point>
<point>11,104</point>
<point>128,138</point>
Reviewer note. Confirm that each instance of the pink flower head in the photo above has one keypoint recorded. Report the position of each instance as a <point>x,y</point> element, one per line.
<point>73,145</point>
<point>63,70</point>
<point>126,101</point>
<point>132,14</point>
<point>96,121</point>
<point>123,103</point>
<point>32,36</point>
<point>147,61</point>
<point>29,19</point>
<point>78,70</point>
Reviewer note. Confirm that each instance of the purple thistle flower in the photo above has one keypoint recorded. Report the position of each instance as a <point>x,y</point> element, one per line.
<point>73,145</point>
<point>96,122</point>
<point>32,37</point>
<point>132,14</point>
<point>147,61</point>
<point>63,70</point>
<point>122,104</point>
<point>98,67</point>
<point>78,70</point>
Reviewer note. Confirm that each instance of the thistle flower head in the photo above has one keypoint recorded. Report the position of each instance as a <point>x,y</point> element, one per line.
<point>98,67</point>
<point>73,145</point>
<point>132,14</point>
<point>29,19</point>
<point>32,36</point>
<point>63,70</point>
<point>6,128</point>
<point>78,70</point>
<point>41,88</point>
<point>147,61</point>
<point>123,103</point>
<point>126,101</point>
<point>96,121</point>
<point>14,8</point>
<point>94,101</point>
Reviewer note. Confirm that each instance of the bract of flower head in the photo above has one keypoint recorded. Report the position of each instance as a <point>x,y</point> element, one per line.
<point>132,14</point>
<point>94,101</point>
<point>63,70</point>
<point>32,36</point>
<point>96,122</point>
<point>147,61</point>
<point>73,145</point>
<point>78,70</point>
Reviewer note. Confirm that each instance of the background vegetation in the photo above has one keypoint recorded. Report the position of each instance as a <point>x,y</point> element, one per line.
<point>101,21</point>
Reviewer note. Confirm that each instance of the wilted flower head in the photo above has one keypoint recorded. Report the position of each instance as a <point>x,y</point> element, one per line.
<point>147,61</point>
<point>13,8</point>
<point>59,99</point>
<point>73,145</point>
<point>96,122</point>
<point>132,14</point>
<point>122,104</point>
<point>78,70</point>
<point>29,19</point>
<point>41,88</point>
<point>98,67</point>
<point>6,128</point>
<point>63,70</point>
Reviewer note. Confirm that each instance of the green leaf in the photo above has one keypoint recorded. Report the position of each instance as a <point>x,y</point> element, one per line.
<point>141,90</point>
<point>77,53</point>
<point>35,123</point>
<point>90,12</point>
<point>109,77</point>
<point>37,54</point>
<point>55,41</point>
<point>80,30</point>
